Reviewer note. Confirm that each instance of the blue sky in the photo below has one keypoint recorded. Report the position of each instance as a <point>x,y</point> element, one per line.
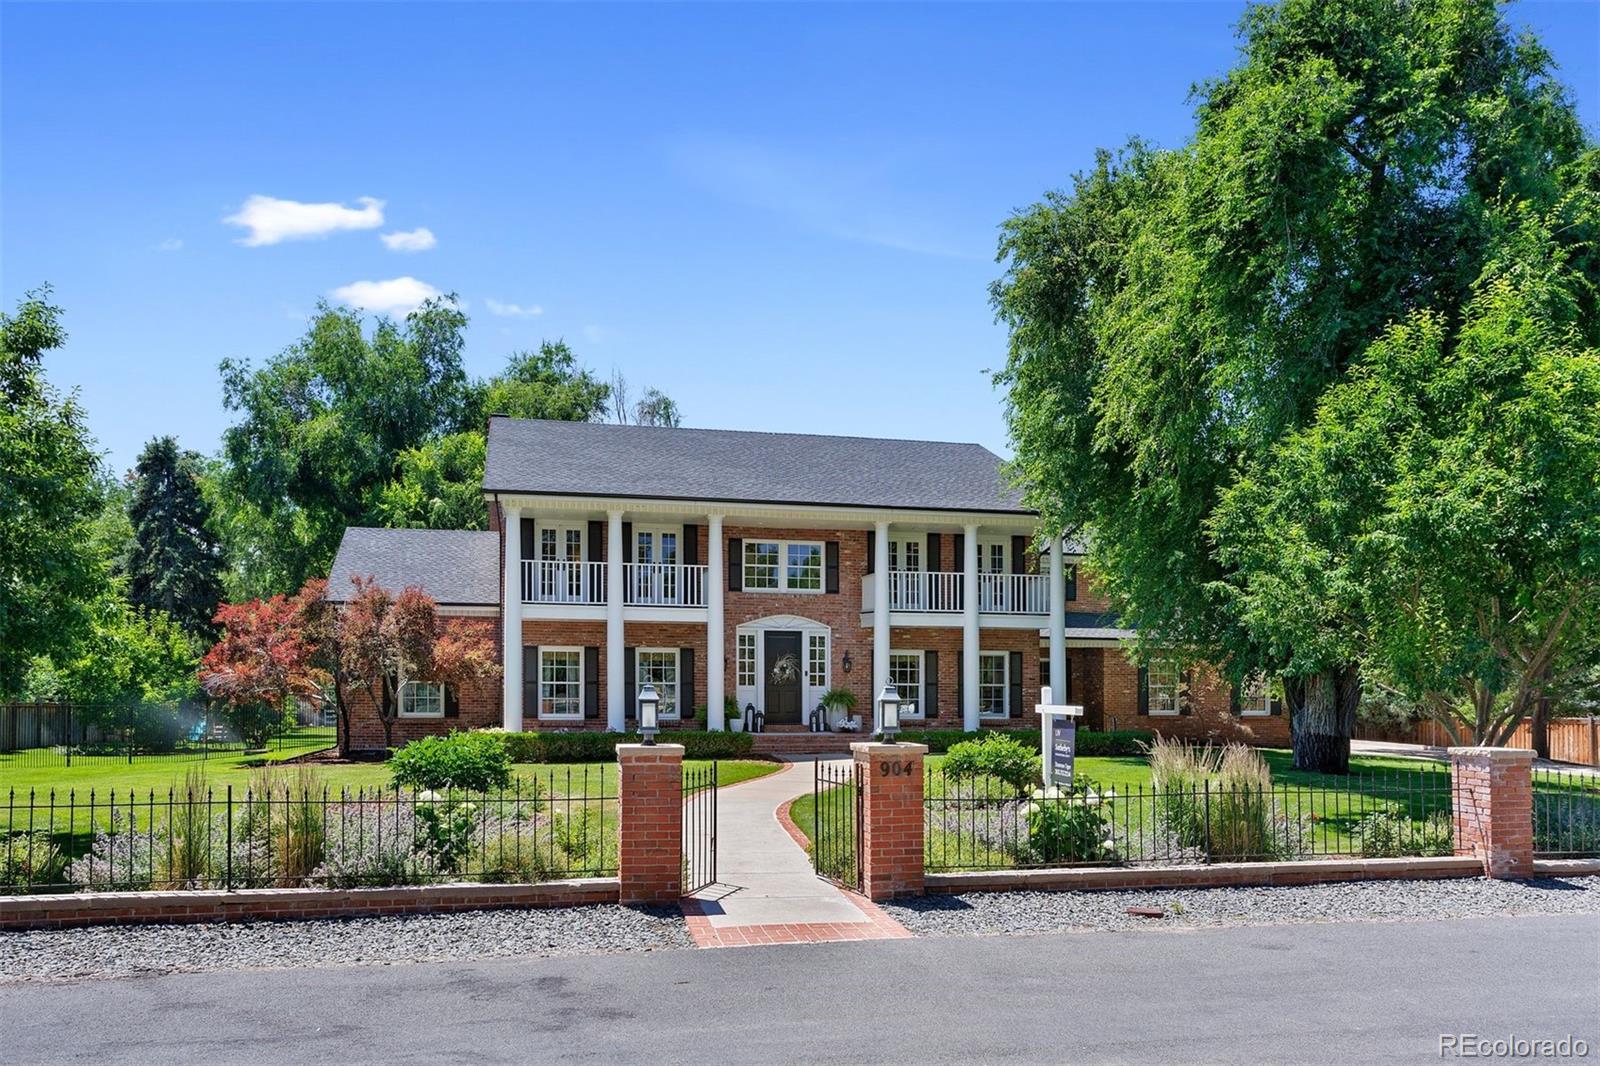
<point>783,216</point>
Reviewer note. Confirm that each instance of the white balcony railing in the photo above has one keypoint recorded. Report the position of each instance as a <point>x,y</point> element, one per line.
<point>663,585</point>
<point>550,581</point>
<point>940,592</point>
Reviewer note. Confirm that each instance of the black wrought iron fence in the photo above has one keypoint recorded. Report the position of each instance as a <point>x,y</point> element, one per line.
<point>983,823</point>
<point>1566,814</point>
<point>542,829</point>
<point>836,829</point>
<point>699,827</point>
<point>61,734</point>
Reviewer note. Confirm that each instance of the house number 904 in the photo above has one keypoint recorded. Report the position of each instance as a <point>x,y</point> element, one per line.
<point>896,769</point>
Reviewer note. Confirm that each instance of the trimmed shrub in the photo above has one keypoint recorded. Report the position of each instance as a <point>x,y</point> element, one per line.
<point>1068,826</point>
<point>1388,835</point>
<point>602,747</point>
<point>1090,742</point>
<point>998,757</point>
<point>473,762</point>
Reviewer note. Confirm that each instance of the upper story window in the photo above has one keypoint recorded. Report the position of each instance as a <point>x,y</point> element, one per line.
<point>905,553</point>
<point>783,566</point>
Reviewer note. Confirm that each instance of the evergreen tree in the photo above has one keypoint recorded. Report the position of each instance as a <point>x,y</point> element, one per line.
<point>174,563</point>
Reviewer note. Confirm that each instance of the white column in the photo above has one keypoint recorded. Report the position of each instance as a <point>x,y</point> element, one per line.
<point>716,648</point>
<point>1058,621</point>
<point>616,676</point>
<point>880,617</point>
<point>969,630</point>
<point>511,611</point>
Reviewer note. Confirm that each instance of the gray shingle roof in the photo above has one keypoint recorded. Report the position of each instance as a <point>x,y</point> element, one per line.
<point>454,566</point>
<point>1090,625</point>
<point>735,466</point>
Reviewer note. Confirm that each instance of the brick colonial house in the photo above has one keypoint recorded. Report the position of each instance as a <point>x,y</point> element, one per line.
<point>770,567</point>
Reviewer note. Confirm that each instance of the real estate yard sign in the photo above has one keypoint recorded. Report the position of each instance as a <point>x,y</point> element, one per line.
<point>1059,742</point>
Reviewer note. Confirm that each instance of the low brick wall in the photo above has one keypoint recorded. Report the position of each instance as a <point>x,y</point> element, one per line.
<point>1216,875</point>
<point>57,911</point>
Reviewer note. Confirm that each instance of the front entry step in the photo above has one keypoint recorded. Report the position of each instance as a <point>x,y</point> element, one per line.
<point>802,743</point>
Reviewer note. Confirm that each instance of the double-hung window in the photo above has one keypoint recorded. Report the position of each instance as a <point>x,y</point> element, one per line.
<point>560,683</point>
<point>994,689</point>
<point>659,667</point>
<point>905,673</point>
<point>421,699</point>
<point>1255,697</point>
<point>1164,679</point>
<point>783,566</point>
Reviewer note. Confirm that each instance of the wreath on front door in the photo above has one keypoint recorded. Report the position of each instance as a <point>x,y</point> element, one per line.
<point>786,670</point>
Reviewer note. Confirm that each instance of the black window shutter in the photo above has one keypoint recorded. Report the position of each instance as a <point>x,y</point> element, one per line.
<point>530,680</point>
<point>1184,680</point>
<point>831,555</point>
<point>597,542</point>
<point>388,698</point>
<point>930,685</point>
<point>1144,690</point>
<point>1274,703</point>
<point>686,695</point>
<point>1072,582</point>
<point>1015,710</point>
<point>961,690</point>
<point>958,543</point>
<point>1066,682</point>
<point>735,564</point>
<point>1044,671</point>
<point>591,682</point>
<point>627,542</point>
<point>530,544</point>
<point>1019,554</point>
<point>872,549</point>
<point>452,701</point>
<point>630,683</point>
<point>1235,705</point>
<point>933,553</point>
<point>691,546</point>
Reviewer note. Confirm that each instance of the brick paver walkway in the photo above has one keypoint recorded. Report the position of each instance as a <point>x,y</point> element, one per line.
<point>767,892</point>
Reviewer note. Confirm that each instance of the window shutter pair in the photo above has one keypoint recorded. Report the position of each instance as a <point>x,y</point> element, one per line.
<point>530,680</point>
<point>591,682</point>
<point>1015,701</point>
<point>735,564</point>
<point>686,696</point>
<point>930,685</point>
<point>630,683</point>
<point>1144,690</point>
<point>830,552</point>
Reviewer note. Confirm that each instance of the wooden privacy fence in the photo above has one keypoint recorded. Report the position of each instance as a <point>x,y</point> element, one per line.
<point>1574,740</point>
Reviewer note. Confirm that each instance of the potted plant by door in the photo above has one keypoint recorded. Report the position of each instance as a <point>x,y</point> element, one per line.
<point>839,702</point>
<point>733,715</point>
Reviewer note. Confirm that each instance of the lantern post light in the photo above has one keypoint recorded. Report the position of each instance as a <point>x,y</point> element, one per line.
<point>649,712</point>
<point>889,712</point>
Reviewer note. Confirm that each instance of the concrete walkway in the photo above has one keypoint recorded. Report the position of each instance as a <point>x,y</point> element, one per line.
<point>766,890</point>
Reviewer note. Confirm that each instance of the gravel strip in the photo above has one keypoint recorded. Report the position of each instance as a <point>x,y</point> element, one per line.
<point>984,913</point>
<point>133,951</point>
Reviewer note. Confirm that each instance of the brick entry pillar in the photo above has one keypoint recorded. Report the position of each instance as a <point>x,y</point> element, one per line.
<point>1493,800</point>
<point>650,817</point>
<point>891,818</point>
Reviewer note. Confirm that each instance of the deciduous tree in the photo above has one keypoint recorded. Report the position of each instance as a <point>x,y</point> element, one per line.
<point>261,662</point>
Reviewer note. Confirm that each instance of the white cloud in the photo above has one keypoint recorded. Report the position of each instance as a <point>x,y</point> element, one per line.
<point>171,244</point>
<point>397,295</point>
<point>271,220</point>
<point>512,310</point>
<point>416,240</point>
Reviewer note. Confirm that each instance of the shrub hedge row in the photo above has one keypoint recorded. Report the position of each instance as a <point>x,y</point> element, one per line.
<point>602,747</point>
<point>1090,742</point>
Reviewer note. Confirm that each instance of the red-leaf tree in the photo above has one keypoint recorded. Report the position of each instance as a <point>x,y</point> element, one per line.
<point>386,640</point>
<point>261,661</point>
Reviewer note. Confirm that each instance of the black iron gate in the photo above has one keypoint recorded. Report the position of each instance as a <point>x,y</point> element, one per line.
<point>699,828</point>
<point>836,831</point>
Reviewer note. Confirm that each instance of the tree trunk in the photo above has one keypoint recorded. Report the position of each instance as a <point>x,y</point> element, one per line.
<point>1539,727</point>
<point>1322,716</point>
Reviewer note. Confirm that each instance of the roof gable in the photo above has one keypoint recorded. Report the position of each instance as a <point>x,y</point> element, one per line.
<point>455,566</point>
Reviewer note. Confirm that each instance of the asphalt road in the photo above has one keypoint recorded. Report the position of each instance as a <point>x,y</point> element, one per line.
<point>1354,992</point>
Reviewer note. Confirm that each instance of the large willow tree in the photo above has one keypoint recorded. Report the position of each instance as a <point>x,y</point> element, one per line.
<point>1178,312</point>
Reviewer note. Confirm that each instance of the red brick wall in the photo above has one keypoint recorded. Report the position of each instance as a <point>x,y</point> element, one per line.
<point>1110,698</point>
<point>479,709</point>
